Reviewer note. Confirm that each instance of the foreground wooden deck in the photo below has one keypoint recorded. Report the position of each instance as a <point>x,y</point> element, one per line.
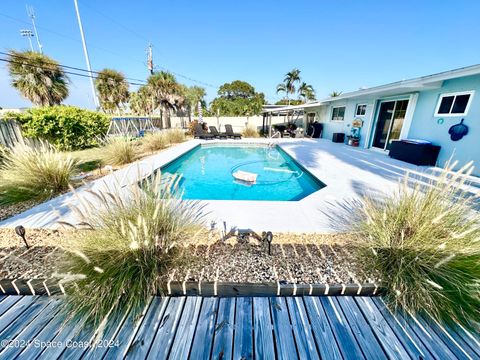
<point>238,328</point>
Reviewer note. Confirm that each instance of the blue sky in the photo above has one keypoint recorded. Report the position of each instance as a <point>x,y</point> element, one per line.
<point>338,45</point>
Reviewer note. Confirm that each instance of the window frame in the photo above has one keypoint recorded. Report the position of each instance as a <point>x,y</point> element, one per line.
<point>356,110</point>
<point>454,94</point>
<point>337,107</point>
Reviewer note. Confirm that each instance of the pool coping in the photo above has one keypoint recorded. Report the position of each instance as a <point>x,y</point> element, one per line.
<point>345,171</point>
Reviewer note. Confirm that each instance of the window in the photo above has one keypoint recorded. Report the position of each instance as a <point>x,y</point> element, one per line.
<point>361,109</point>
<point>454,104</point>
<point>338,113</point>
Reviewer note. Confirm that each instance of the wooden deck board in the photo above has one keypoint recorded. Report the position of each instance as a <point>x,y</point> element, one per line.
<point>263,329</point>
<point>203,339</point>
<point>224,328</point>
<point>166,330</point>
<point>302,331</point>
<point>126,334</point>
<point>326,343</point>
<point>243,341</point>
<point>140,346</point>
<point>433,343</point>
<point>410,341</point>
<point>32,329</point>
<point>343,334</point>
<point>390,343</point>
<point>186,328</point>
<point>238,328</point>
<point>17,325</point>
<point>370,346</point>
<point>15,311</point>
<point>282,328</point>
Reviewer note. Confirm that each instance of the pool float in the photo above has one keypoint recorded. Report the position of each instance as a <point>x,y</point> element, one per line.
<point>245,176</point>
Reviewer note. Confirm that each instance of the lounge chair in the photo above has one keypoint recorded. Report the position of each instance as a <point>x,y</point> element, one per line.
<point>230,133</point>
<point>214,132</point>
<point>202,134</point>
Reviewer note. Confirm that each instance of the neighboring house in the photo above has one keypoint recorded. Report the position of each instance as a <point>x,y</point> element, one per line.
<point>421,108</point>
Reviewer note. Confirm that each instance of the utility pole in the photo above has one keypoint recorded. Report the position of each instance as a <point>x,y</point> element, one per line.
<point>31,14</point>
<point>150,59</point>
<point>87,59</point>
<point>28,34</point>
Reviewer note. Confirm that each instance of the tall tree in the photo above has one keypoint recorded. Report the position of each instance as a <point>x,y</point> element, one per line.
<point>289,84</point>
<point>306,92</point>
<point>37,77</point>
<point>167,93</point>
<point>194,95</point>
<point>335,93</point>
<point>238,98</point>
<point>142,101</point>
<point>112,89</point>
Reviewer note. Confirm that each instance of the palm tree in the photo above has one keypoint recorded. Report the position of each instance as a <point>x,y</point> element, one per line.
<point>282,88</point>
<point>37,77</point>
<point>288,85</point>
<point>193,95</point>
<point>335,93</point>
<point>142,101</point>
<point>166,92</point>
<point>112,89</point>
<point>291,78</point>
<point>306,92</point>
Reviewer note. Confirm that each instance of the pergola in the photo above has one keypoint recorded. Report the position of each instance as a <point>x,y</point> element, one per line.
<point>293,110</point>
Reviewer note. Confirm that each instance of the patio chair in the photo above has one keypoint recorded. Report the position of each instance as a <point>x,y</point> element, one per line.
<point>230,133</point>
<point>202,134</point>
<point>214,132</point>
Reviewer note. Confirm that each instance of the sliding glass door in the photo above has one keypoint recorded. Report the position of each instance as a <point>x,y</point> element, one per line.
<point>391,115</point>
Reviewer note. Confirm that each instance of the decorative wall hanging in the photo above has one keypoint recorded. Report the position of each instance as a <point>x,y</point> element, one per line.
<point>458,131</point>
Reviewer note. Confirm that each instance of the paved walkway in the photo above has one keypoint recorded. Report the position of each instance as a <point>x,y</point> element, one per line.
<point>348,172</point>
<point>233,328</point>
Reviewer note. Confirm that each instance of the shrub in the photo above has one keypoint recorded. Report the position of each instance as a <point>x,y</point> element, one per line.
<point>135,237</point>
<point>250,132</point>
<point>175,136</point>
<point>34,173</point>
<point>155,141</point>
<point>118,151</point>
<point>424,245</point>
<point>66,127</point>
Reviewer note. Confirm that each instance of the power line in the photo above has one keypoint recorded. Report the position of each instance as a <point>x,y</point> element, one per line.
<point>66,66</point>
<point>66,72</point>
<point>112,52</point>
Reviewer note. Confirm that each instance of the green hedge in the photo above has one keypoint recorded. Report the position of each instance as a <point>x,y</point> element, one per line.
<point>66,127</point>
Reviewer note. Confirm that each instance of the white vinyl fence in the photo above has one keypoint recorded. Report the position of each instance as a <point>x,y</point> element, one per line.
<point>10,133</point>
<point>238,122</point>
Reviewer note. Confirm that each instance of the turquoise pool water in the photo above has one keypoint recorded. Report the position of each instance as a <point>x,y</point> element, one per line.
<point>207,174</point>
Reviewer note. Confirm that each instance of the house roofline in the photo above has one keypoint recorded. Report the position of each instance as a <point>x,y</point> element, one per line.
<point>415,84</point>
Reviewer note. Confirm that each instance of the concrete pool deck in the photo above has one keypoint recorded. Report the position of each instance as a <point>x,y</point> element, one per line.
<point>349,173</point>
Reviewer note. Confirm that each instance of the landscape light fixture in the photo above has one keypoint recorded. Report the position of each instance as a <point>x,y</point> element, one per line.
<point>28,34</point>
<point>20,230</point>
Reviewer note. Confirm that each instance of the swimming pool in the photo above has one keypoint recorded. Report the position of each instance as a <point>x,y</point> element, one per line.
<point>207,174</point>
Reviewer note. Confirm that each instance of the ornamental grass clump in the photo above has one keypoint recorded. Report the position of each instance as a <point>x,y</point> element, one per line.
<point>250,132</point>
<point>133,238</point>
<point>118,151</point>
<point>34,172</point>
<point>155,141</point>
<point>423,243</point>
<point>175,136</point>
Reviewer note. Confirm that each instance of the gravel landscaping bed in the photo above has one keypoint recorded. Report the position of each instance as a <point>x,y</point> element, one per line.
<point>7,211</point>
<point>295,258</point>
